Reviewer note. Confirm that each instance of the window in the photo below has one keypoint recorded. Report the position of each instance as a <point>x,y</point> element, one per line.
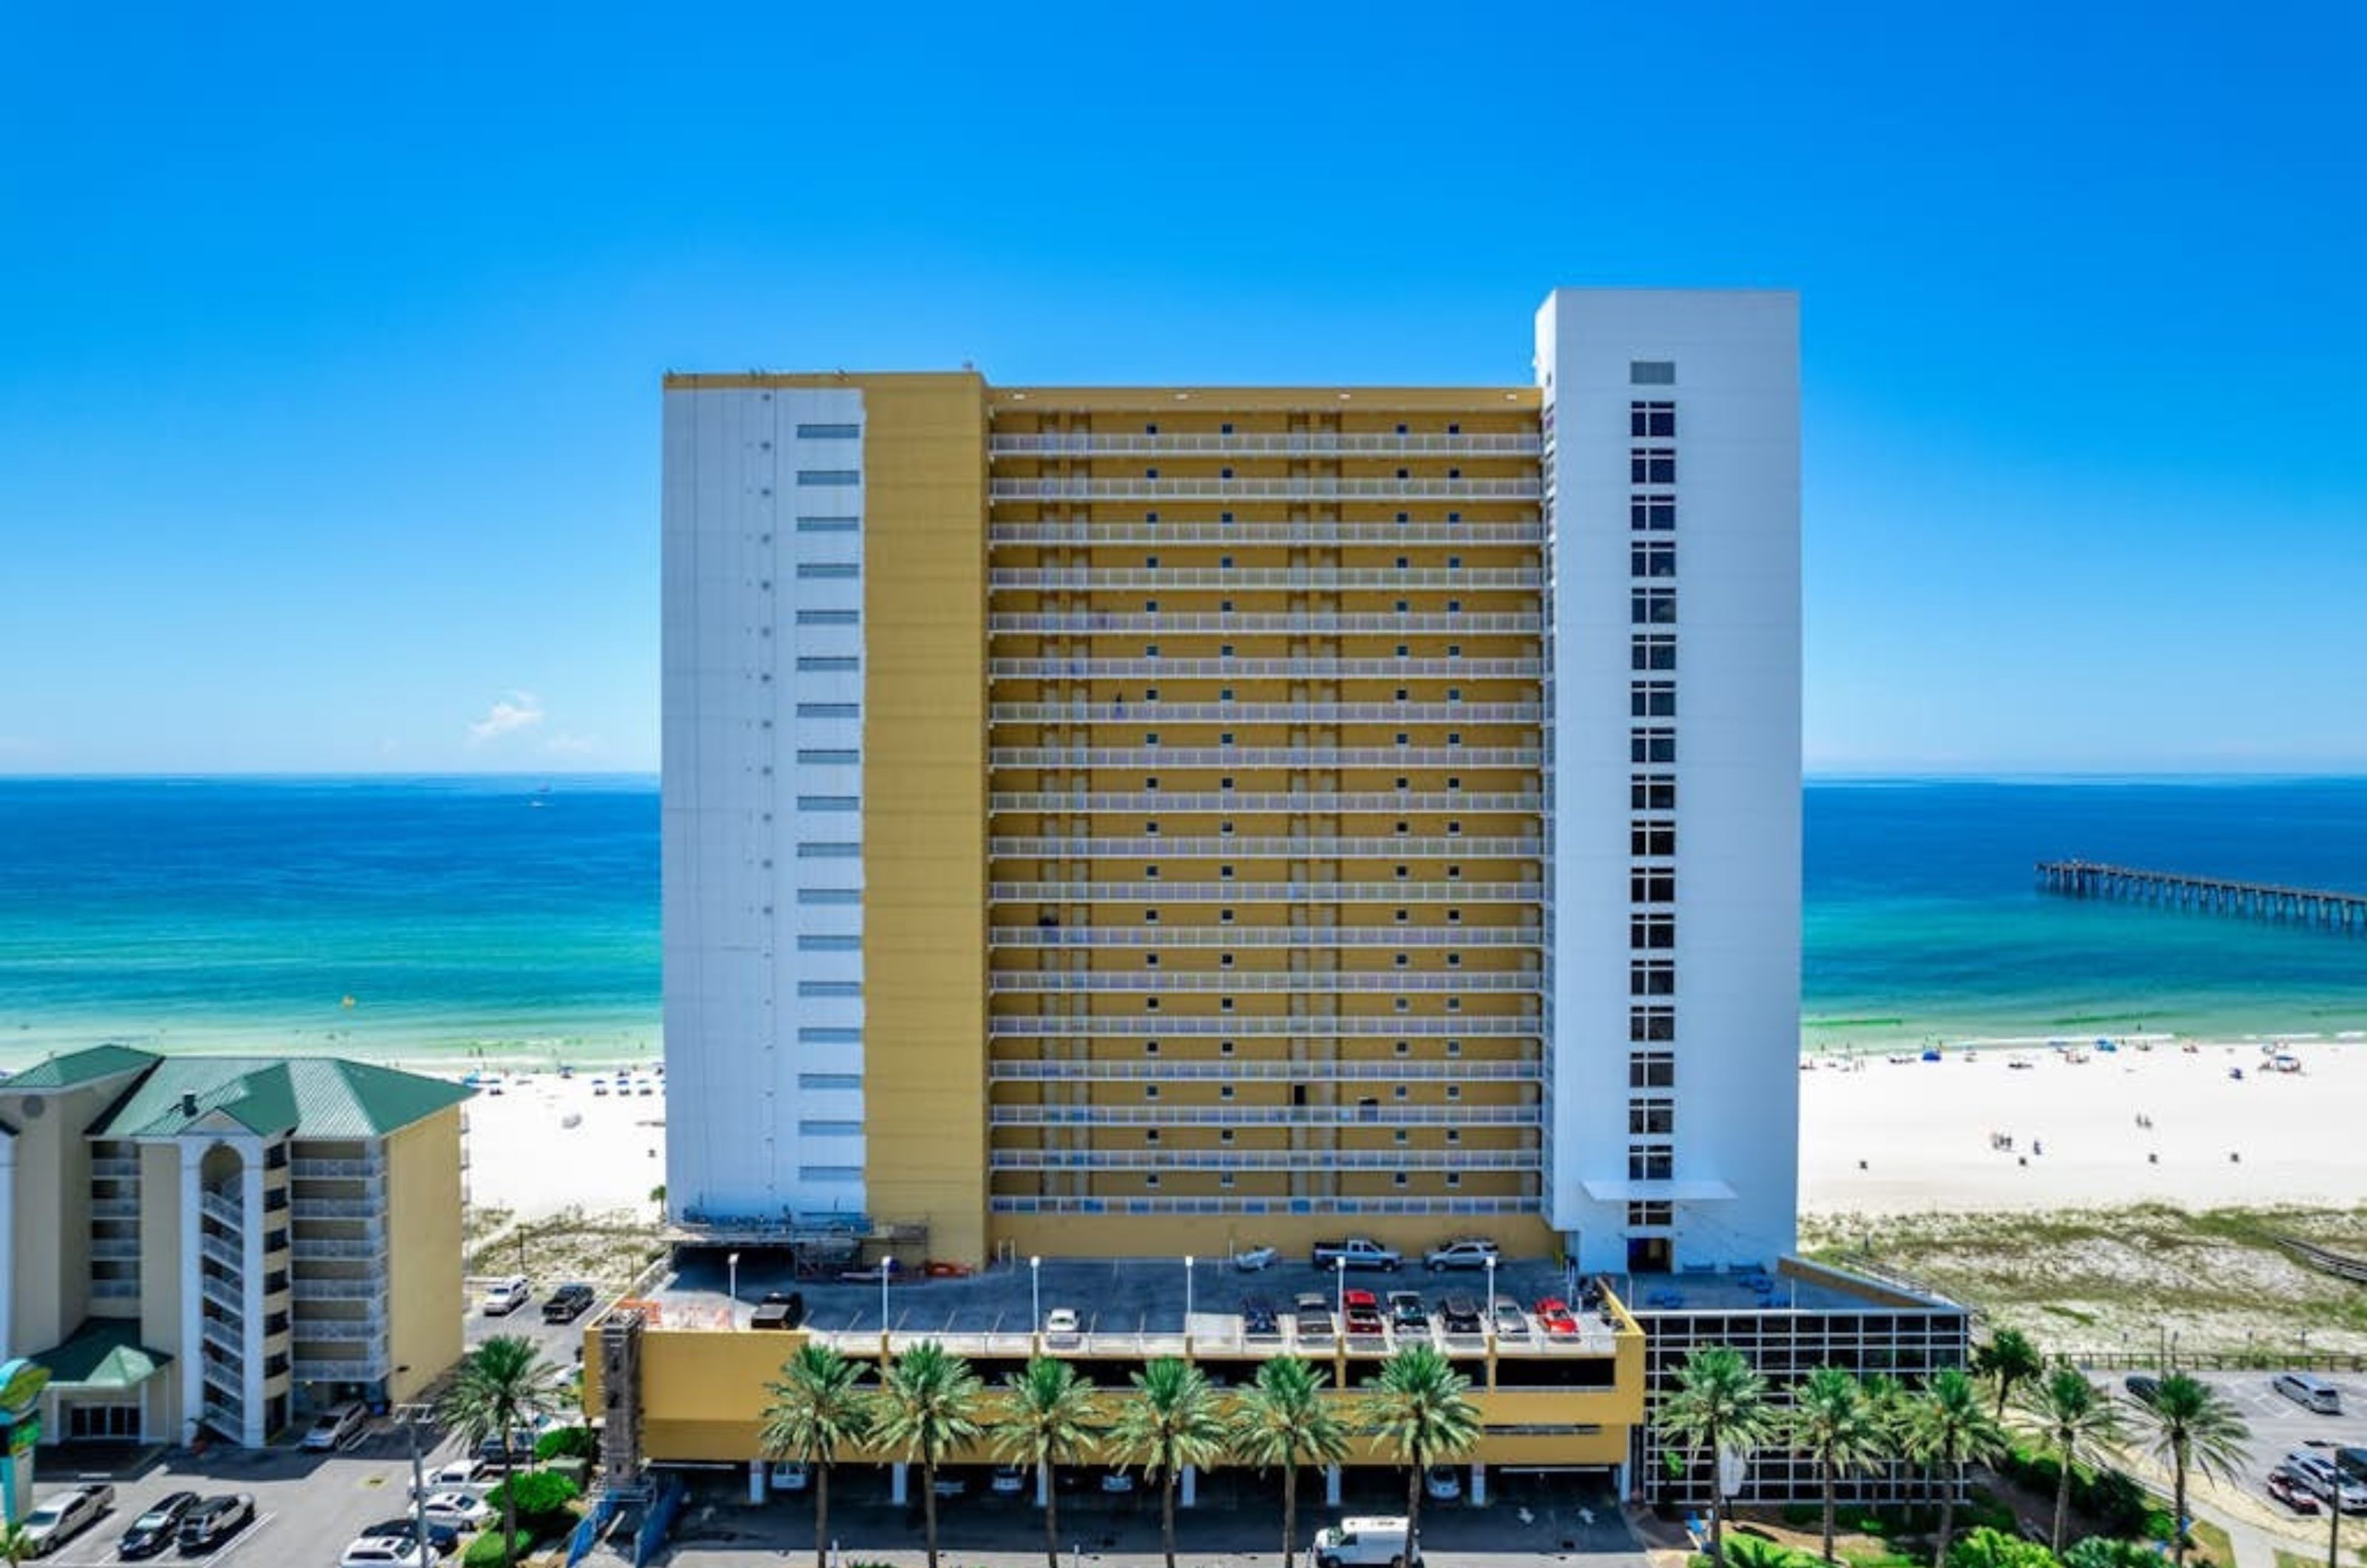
<point>1653,745</point>
<point>829,944</point>
<point>825,757</point>
<point>1151,693</point>
<point>1652,1118</point>
<point>829,432</point>
<point>839,850</point>
<point>830,802</point>
<point>1652,650</point>
<point>1652,560</point>
<point>1652,792</point>
<point>828,989</point>
<point>812,897</point>
<point>1150,563</point>
<point>828,666</point>
<point>1652,699</point>
<point>1652,978</point>
<point>830,710</point>
<point>1650,1162</point>
<point>1652,513</point>
<point>1653,606</point>
<point>829,524</point>
<point>1650,1024</point>
<point>1652,887</point>
<point>1652,838</point>
<point>830,1080</point>
<point>1652,465</point>
<point>1652,372</point>
<point>1653,421</point>
<point>830,475</point>
<point>1651,1069</point>
<point>1652,932</point>
<point>830,617</point>
<point>1651,1213</point>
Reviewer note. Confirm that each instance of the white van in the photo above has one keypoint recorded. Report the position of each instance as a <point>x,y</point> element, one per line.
<point>1378,1541</point>
<point>505,1296</point>
<point>2310,1392</point>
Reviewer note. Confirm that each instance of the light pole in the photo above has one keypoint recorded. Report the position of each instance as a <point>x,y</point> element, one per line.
<point>1340,1270</point>
<point>732,1264</point>
<point>1491,1294</point>
<point>886,1259</point>
<point>412,1416</point>
<point>1187,1293</point>
<point>1035,1295</point>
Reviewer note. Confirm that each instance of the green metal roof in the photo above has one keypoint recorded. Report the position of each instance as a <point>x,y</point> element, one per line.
<point>310,1097</point>
<point>78,1068</point>
<point>104,1352</point>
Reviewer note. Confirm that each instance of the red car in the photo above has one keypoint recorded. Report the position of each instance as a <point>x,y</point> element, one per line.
<point>1360,1301</point>
<point>1554,1316</point>
<point>2290,1490</point>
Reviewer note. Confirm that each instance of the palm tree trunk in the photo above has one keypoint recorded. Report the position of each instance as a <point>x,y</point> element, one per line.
<point>509,1515</point>
<point>929,1504</point>
<point>821,1515</point>
<point>2334,1526</point>
<point>1831,1486</point>
<point>1413,1515</point>
<point>1947,1518</point>
<point>1717,1523</point>
<point>1289,1512</point>
<point>1051,1515</point>
<point>2062,1504</point>
<point>1166,1515</point>
<point>2177,1513</point>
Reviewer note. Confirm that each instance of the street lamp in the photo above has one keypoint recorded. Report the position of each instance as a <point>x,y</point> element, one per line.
<point>1339,1268</point>
<point>1491,1291</point>
<point>885,1259</point>
<point>731,1263</point>
<point>1187,1292</point>
<point>1035,1295</point>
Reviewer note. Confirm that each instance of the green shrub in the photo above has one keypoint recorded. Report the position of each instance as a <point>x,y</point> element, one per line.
<point>1746,1550</point>
<point>2109,1552</point>
<point>2156,1524</point>
<point>1988,1546</point>
<point>2114,1501</point>
<point>1797,1514</point>
<point>564,1443</point>
<point>542,1495</point>
<point>485,1551</point>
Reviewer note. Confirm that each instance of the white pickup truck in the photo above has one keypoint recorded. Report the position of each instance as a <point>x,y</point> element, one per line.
<point>1359,1252</point>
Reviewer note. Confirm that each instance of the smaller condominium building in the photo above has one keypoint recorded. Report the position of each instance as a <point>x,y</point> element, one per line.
<point>226,1243</point>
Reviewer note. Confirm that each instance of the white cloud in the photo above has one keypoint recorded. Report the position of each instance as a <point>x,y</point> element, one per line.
<point>514,711</point>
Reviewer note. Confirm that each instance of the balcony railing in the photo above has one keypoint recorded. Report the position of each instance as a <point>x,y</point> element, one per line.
<point>1241,847</point>
<point>1415,531</point>
<point>116,1168</point>
<point>1228,937</point>
<point>1237,892</point>
<point>115,1208</point>
<point>1245,578</point>
<point>340,1208</point>
<point>222,1210</point>
<point>1325,1205</point>
<point>1327,1116</point>
<point>1306,622</point>
<point>230,1255</point>
<point>1315,803</point>
<point>1265,1159</point>
<point>115,1290</point>
<point>115,1248</point>
<point>1302,1072</point>
<point>1140,757</point>
<point>221,1293</point>
<point>224,1416</point>
<point>324,1288</point>
<point>335,1332</point>
<point>1388,1026</point>
<point>369,1370</point>
<point>1231,982</point>
<point>1263,669</point>
<point>1272,443</point>
<point>1263,713</point>
<point>1212,487</point>
<point>306,1168</point>
<point>225,1338</point>
<point>315,1248</point>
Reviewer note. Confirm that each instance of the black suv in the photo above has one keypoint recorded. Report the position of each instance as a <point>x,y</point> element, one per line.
<point>567,1303</point>
<point>1460,1314</point>
<point>215,1520</point>
<point>152,1531</point>
<point>1258,1320</point>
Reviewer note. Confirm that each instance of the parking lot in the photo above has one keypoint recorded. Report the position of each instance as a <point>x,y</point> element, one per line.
<point>2280,1425</point>
<point>307,1505</point>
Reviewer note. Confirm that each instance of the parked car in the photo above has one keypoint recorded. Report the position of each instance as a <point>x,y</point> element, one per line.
<point>1555,1319</point>
<point>1463,1252</point>
<point>517,1450</point>
<point>1407,1313</point>
<point>1256,1258</point>
<point>443,1535</point>
<point>154,1530</point>
<point>791,1475</point>
<point>2292,1491</point>
<point>2142,1389</point>
<point>1257,1319</point>
<point>67,1516</point>
<point>2309,1391</point>
<point>1314,1315</point>
<point>1060,1325</point>
<point>386,1552</point>
<point>215,1520</point>
<point>1510,1322</point>
<point>567,1302</point>
<point>1365,1323</point>
<point>1009,1480</point>
<point>779,1311</point>
<point>464,1508</point>
<point>1442,1484</point>
<point>1460,1314</point>
<point>2325,1482</point>
<point>1358,1252</point>
<point>335,1427</point>
<point>505,1296</point>
<point>1116,1482</point>
<point>466,1471</point>
<point>2352,1462</point>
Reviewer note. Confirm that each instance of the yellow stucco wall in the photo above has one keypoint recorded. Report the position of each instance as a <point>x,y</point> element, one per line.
<point>160,1249</point>
<point>423,1288</point>
<point>49,1275</point>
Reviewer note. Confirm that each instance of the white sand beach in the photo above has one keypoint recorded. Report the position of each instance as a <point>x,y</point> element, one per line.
<point>2089,1128</point>
<point>523,1156</point>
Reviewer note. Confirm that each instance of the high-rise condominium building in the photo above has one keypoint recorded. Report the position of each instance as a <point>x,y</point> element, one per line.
<point>1164,818</point>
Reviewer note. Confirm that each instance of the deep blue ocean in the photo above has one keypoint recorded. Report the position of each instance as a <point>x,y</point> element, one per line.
<point>520,919</point>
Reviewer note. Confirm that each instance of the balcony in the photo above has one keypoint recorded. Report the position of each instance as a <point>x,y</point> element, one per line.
<point>115,1248</point>
<point>1472,1207</point>
<point>1266,1159</point>
<point>1210,486</point>
<point>223,1293</point>
<point>115,1208</point>
<point>1263,669</point>
<point>1250,578</point>
<point>325,1288</point>
<point>1243,847</point>
<point>308,1169</point>
<point>340,1208</point>
<point>225,1417</point>
<point>115,1290</point>
<point>1422,531</point>
<point>1272,443</point>
<point>1263,713</point>
<point>1223,891</point>
<point>225,1211</point>
<point>369,1370</point>
<point>369,1324</point>
<point>1229,982</point>
<point>226,1339</point>
<point>1154,757</point>
<point>1398,1026</point>
<point>1319,803</point>
<point>1389,1115</point>
<point>229,1254</point>
<point>1302,1072</point>
<point>1302,623</point>
<point>1230,937</point>
<point>307,1248</point>
<point>116,1168</point>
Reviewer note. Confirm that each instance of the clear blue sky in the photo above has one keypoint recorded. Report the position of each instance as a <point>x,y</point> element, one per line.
<point>330,339</point>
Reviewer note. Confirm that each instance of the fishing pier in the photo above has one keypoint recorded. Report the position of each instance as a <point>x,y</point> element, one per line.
<point>2204,895</point>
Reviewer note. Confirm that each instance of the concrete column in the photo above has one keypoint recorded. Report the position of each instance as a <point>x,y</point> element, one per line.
<point>1331,1485</point>
<point>755,1481</point>
<point>898,1492</point>
<point>251,1224</point>
<point>1479,1484</point>
<point>9,1247</point>
<point>191,1349</point>
<point>1188,1486</point>
<point>1043,1485</point>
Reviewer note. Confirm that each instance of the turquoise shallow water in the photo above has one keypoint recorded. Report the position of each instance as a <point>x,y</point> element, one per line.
<point>521,919</point>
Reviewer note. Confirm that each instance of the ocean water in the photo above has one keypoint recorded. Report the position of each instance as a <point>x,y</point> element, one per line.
<point>519,919</point>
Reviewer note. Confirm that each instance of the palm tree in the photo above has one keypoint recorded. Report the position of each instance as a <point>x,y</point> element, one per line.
<point>1051,1414</point>
<point>15,1545</point>
<point>1832,1419</point>
<point>500,1388</point>
<point>816,1411</point>
<point>1171,1421</point>
<point>2072,1419</point>
<point>2193,1427</point>
<point>1948,1427</point>
<point>927,1403</point>
<point>1719,1404</point>
<point>2008,1360</point>
<point>1421,1411</point>
<point>1282,1419</point>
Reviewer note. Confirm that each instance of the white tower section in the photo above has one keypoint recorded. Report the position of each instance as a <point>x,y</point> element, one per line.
<point>764,662</point>
<point>1672,427</point>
